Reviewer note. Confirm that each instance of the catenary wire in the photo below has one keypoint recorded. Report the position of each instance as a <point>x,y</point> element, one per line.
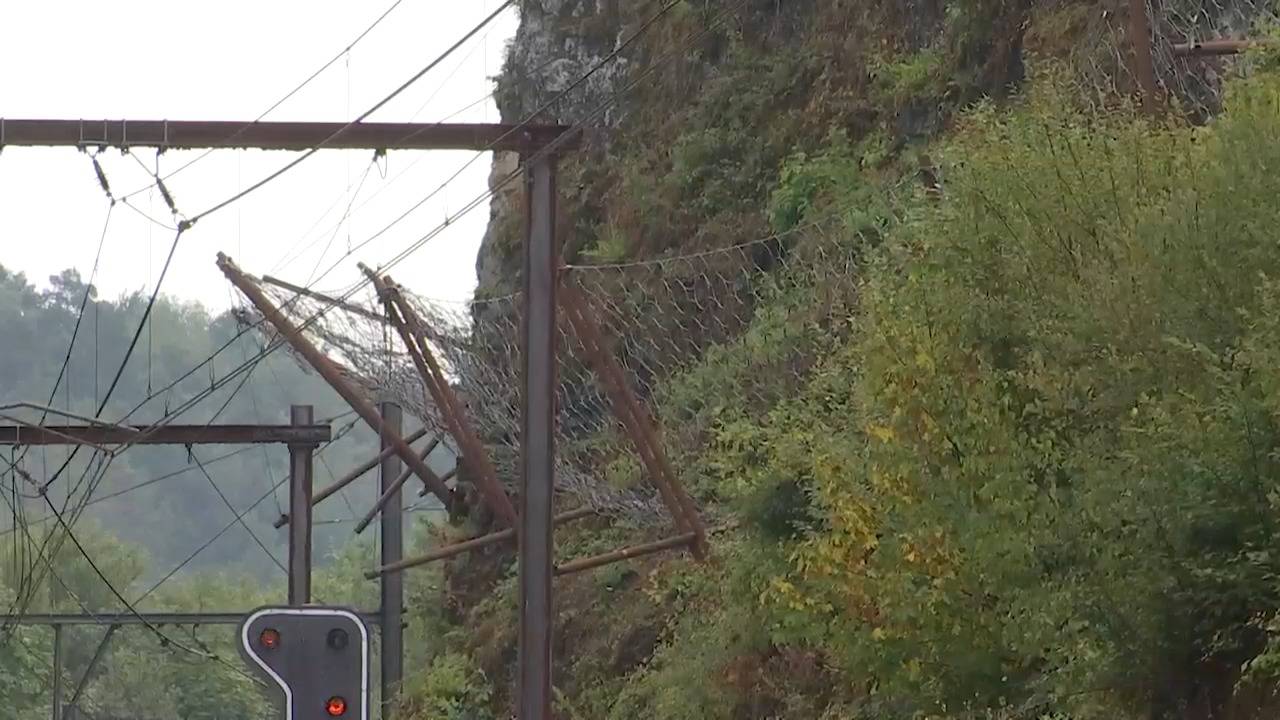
<point>298,88</point>
<point>377,106</point>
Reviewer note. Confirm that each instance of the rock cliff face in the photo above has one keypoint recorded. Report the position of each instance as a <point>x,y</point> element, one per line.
<point>556,45</point>
<point>708,98</point>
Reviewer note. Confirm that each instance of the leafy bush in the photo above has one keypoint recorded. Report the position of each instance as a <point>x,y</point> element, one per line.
<point>1045,464</point>
<point>450,689</point>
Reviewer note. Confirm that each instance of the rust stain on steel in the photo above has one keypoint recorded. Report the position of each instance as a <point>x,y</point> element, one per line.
<point>330,373</point>
<point>635,420</point>
<point>474,455</point>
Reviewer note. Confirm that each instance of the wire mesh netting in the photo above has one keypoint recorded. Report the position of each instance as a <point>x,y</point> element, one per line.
<point>1193,81</point>
<point>743,319</point>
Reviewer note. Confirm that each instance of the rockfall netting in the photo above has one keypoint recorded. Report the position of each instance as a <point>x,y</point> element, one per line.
<point>665,322</point>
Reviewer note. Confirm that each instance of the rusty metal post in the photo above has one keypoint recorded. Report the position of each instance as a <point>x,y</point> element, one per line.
<point>1143,65</point>
<point>57,672</point>
<point>413,333</point>
<point>327,370</point>
<point>392,585</point>
<point>301,478</point>
<point>537,441</point>
<point>639,426</point>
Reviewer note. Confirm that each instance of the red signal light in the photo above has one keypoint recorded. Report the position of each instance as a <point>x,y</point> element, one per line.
<point>336,707</point>
<point>270,638</point>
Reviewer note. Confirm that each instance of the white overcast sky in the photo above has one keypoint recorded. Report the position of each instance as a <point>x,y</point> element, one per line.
<point>230,60</point>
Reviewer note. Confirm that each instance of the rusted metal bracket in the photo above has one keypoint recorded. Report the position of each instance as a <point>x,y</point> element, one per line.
<point>474,456</point>
<point>355,474</point>
<point>325,367</point>
<point>476,543</point>
<point>636,421</point>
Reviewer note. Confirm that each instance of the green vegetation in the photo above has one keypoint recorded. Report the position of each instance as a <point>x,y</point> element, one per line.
<point>997,437</point>
<point>1031,474</point>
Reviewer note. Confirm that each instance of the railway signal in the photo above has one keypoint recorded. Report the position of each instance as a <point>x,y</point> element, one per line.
<point>318,657</point>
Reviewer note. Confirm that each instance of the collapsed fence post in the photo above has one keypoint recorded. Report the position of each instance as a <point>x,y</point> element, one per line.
<point>631,414</point>
<point>327,370</point>
<point>412,332</point>
<point>626,553</point>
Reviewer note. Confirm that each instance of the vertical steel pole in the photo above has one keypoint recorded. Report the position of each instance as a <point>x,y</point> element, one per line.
<point>1144,65</point>
<point>300,486</point>
<point>537,439</point>
<point>392,525</point>
<point>57,672</point>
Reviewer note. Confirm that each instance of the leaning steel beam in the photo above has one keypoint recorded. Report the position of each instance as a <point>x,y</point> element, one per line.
<point>392,490</point>
<point>413,333</point>
<point>146,618</point>
<point>327,370</point>
<point>93,663</point>
<point>475,543</point>
<point>167,435</point>
<point>188,134</point>
<point>628,410</point>
<point>355,474</point>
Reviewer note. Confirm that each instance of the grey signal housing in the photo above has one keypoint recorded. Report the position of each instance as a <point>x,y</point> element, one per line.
<point>323,652</point>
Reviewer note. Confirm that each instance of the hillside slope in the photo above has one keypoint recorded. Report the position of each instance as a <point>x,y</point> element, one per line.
<point>968,360</point>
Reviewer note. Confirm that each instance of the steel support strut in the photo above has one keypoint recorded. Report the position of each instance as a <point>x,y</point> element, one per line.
<point>413,333</point>
<point>327,370</point>
<point>355,474</point>
<point>73,705</point>
<point>392,586</point>
<point>1144,66</point>
<point>638,424</point>
<point>57,673</point>
<point>301,479</point>
<point>537,440</point>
